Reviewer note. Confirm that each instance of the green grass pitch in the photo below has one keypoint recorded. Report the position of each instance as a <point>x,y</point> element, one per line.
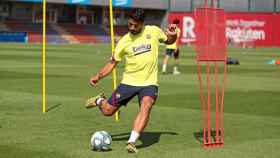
<point>252,106</point>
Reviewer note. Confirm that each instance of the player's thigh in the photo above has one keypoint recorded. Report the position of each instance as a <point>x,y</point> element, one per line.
<point>122,95</point>
<point>177,54</point>
<point>148,95</point>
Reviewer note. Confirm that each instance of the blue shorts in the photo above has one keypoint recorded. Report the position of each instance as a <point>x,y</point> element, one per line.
<point>170,52</point>
<point>124,93</point>
<point>173,52</point>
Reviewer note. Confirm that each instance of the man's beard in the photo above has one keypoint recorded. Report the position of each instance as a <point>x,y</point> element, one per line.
<point>134,32</point>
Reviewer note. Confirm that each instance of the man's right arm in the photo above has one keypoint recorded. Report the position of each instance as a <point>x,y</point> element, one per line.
<point>108,68</point>
<point>103,72</point>
<point>171,34</point>
<point>168,37</point>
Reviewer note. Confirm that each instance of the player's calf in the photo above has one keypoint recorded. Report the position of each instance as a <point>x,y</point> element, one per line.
<point>101,102</point>
<point>107,109</point>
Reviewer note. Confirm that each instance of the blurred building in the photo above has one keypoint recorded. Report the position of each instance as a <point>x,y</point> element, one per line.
<point>86,21</point>
<point>81,11</point>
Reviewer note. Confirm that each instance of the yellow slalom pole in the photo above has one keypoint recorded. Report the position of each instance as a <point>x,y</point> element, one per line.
<point>117,116</point>
<point>44,60</point>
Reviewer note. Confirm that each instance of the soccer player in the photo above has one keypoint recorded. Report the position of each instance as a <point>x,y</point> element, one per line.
<point>139,47</point>
<point>172,50</point>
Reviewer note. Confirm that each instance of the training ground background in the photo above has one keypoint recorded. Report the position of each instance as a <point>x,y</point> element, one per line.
<point>252,112</point>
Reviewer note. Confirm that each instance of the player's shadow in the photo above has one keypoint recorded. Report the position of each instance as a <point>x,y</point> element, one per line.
<point>199,135</point>
<point>54,107</point>
<point>147,138</point>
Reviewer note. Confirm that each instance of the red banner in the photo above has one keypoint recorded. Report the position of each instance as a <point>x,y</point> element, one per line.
<point>276,29</point>
<point>262,29</point>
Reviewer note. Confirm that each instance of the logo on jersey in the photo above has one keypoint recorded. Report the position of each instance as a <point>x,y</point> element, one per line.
<point>144,48</point>
<point>148,36</point>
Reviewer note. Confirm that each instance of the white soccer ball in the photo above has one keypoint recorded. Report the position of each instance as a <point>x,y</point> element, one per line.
<point>101,141</point>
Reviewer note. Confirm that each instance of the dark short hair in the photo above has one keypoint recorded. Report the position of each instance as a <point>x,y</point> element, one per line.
<point>137,15</point>
<point>176,21</point>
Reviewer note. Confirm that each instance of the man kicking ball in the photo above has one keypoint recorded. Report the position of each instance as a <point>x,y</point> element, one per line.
<point>139,47</point>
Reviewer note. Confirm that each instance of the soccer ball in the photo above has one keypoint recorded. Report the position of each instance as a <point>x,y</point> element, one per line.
<point>101,141</point>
